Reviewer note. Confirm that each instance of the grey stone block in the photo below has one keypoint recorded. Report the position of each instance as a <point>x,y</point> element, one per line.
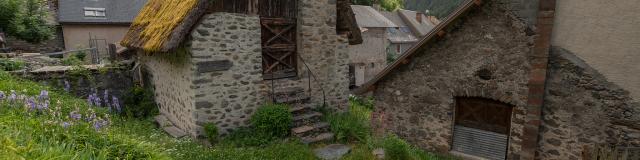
<point>212,66</point>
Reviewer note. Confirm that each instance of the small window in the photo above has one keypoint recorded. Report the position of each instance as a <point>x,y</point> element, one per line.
<point>405,29</point>
<point>94,12</point>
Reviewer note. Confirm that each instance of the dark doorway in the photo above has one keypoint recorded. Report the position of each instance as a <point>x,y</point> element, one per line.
<point>279,46</point>
<point>482,127</point>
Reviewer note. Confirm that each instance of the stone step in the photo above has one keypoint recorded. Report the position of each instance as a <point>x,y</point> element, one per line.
<point>301,109</point>
<point>323,137</point>
<point>174,132</point>
<point>307,130</point>
<point>309,118</point>
<point>162,121</point>
<point>289,91</point>
<point>293,100</point>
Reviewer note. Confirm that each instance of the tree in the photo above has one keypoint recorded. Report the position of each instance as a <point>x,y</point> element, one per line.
<point>389,5</point>
<point>438,8</point>
<point>25,19</point>
<point>8,10</point>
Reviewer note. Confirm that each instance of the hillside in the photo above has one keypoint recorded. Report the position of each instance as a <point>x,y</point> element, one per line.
<point>438,8</point>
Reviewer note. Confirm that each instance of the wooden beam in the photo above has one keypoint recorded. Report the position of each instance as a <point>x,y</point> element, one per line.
<point>477,2</point>
<point>441,33</point>
<point>405,61</point>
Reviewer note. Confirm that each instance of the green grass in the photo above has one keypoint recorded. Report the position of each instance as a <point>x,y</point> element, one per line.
<point>27,134</point>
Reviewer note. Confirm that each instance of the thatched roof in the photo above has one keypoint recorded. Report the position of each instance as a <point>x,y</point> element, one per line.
<point>162,25</point>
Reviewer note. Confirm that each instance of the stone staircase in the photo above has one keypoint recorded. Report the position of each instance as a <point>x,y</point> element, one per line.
<point>307,123</point>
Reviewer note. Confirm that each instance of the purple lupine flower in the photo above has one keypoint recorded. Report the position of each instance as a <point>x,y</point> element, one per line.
<point>44,95</point>
<point>99,124</point>
<point>31,103</point>
<point>67,86</point>
<point>106,97</point>
<point>91,117</point>
<point>44,105</point>
<point>66,124</point>
<point>116,104</point>
<point>75,115</point>
<point>97,101</point>
<point>90,100</point>
<point>13,96</point>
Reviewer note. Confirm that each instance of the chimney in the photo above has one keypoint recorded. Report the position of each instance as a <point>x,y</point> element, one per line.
<point>377,7</point>
<point>419,17</point>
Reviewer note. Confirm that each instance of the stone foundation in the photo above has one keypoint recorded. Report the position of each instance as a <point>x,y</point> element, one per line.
<point>582,109</point>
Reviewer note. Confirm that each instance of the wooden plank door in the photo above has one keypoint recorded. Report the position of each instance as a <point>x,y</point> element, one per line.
<point>279,32</point>
<point>482,128</point>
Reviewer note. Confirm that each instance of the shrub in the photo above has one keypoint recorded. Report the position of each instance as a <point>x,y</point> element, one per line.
<point>139,103</point>
<point>273,119</point>
<point>80,55</point>
<point>211,131</point>
<point>352,125</point>
<point>72,61</point>
<point>247,137</point>
<point>9,65</point>
<point>396,148</point>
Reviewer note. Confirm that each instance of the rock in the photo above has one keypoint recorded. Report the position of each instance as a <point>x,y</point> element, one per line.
<point>379,153</point>
<point>162,121</point>
<point>332,152</point>
<point>174,132</point>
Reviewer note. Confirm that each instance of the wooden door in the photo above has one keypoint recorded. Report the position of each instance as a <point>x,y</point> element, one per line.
<point>482,128</point>
<point>279,31</point>
<point>484,114</point>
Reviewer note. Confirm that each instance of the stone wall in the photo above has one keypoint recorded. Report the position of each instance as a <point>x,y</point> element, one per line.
<point>582,109</point>
<point>171,76</point>
<point>527,10</point>
<point>416,100</point>
<point>228,83</point>
<point>118,81</point>
<point>324,51</point>
<point>604,36</point>
<point>221,81</point>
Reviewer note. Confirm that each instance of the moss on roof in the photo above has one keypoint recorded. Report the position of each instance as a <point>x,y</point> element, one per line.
<point>156,22</point>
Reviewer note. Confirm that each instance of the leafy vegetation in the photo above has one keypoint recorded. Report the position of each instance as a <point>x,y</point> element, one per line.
<point>25,19</point>
<point>139,103</point>
<point>353,125</point>
<point>273,119</point>
<point>11,65</point>
<point>73,128</point>
<point>389,5</point>
<point>211,132</point>
<point>438,8</point>
<point>28,134</point>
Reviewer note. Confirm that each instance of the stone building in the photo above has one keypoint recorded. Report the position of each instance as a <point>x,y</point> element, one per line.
<point>495,81</point>
<point>218,62</point>
<point>369,58</point>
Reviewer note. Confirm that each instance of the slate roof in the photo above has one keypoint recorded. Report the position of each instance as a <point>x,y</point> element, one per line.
<point>394,17</point>
<point>420,29</point>
<point>116,11</point>
<point>429,38</point>
<point>401,35</point>
<point>367,17</point>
